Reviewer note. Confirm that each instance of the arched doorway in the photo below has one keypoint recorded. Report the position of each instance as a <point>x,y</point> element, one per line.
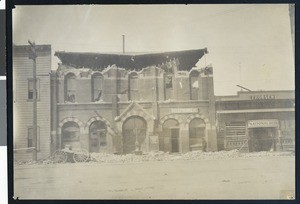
<point>197,134</point>
<point>134,131</point>
<point>97,135</point>
<point>71,135</point>
<point>169,138</point>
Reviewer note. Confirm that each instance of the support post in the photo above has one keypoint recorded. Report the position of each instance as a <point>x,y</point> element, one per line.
<point>33,56</point>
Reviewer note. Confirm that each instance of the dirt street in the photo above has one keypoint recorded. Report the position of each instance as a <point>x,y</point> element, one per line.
<point>234,178</point>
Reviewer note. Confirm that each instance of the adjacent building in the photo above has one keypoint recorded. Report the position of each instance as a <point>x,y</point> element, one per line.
<point>256,121</point>
<point>23,96</point>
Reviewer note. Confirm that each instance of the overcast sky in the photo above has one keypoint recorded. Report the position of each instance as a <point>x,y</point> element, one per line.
<point>249,45</point>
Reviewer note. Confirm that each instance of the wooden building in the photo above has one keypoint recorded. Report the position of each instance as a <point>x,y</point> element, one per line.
<point>23,94</point>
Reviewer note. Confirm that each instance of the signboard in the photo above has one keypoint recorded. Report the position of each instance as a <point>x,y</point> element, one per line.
<point>262,97</point>
<point>262,123</point>
<point>184,110</point>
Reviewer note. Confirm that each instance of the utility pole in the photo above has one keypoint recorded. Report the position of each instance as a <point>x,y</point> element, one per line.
<point>33,56</point>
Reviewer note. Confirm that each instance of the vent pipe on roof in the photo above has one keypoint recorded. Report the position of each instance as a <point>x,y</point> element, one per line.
<point>123,43</point>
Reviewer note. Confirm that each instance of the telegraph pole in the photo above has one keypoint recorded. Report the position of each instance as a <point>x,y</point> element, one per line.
<point>33,56</point>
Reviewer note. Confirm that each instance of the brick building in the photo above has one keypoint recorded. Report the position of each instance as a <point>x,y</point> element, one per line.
<point>118,103</point>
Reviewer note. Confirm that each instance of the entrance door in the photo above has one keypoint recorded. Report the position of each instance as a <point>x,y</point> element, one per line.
<point>169,137</point>
<point>262,139</point>
<point>134,130</point>
<point>175,139</point>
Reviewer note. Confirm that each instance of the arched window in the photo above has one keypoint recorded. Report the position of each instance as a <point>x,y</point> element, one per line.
<point>97,86</point>
<point>98,139</point>
<point>71,135</point>
<point>169,138</point>
<point>197,134</point>
<point>134,134</point>
<point>133,87</point>
<point>168,83</point>
<point>194,85</point>
<point>70,87</point>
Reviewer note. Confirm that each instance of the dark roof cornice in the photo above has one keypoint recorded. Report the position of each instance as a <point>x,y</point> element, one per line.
<point>187,59</point>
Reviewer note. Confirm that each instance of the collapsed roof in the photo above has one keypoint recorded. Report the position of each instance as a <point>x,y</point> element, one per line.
<point>187,59</point>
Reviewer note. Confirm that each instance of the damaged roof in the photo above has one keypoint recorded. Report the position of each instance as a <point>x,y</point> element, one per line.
<point>187,59</point>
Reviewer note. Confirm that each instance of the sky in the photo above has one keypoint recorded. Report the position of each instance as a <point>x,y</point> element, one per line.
<point>248,44</point>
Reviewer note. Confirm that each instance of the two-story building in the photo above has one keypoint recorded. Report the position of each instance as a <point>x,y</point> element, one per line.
<point>118,103</point>
<point>23,96</point>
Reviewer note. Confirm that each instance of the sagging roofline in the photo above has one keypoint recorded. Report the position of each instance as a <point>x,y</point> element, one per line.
<point>187,59</point>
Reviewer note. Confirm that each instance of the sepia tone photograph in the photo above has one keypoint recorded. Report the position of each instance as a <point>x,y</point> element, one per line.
<point>122,102</point>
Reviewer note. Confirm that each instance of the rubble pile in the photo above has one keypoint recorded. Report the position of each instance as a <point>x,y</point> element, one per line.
<point>151,156</point>
<point>194,155</point>
<point>165,156</point>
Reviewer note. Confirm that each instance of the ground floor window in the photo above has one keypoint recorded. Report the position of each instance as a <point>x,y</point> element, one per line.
<point>97,136</point>
<point>71,135</point>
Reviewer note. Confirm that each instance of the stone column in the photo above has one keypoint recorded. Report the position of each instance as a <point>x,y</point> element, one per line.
<point>184,140</point>
<point>211,138</point>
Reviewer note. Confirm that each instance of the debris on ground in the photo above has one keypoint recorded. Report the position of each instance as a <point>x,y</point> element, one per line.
<point>166,156</point>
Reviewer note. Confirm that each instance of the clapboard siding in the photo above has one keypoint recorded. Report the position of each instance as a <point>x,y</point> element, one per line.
<point>23,108</point>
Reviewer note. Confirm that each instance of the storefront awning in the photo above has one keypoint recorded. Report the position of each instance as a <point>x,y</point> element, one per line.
<point>256,110</point>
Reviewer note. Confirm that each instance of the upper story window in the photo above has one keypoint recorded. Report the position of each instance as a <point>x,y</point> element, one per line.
<point>194,84</point>
<point>97,87</point>
<point>33,94</point>
<point>133,87</point>
<point>168,82</point>
<point>70,87</point>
